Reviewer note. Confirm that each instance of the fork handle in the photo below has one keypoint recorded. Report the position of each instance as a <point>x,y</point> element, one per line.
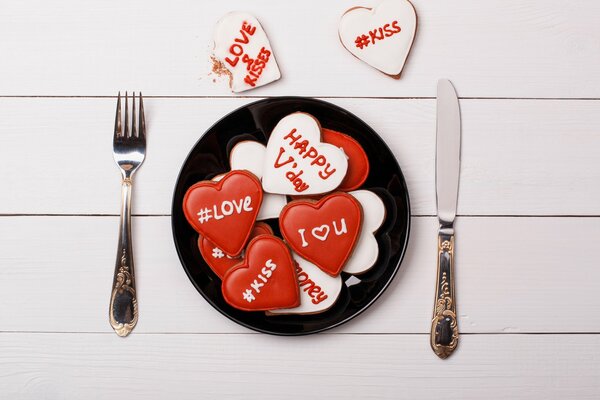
<point>123,310</point>
<point>444,325</point>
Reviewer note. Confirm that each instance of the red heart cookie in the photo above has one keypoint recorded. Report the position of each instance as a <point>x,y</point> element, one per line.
<point>220,262</point>
<point>266,280</point>
<point>224,212</point>
<point>358,162</point>
<point>324,232</point>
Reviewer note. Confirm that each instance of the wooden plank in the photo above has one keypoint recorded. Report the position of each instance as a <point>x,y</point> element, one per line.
<point>509,48</point>
<point>522,157</point>
<point>513,275</point>
<point>75,366</point>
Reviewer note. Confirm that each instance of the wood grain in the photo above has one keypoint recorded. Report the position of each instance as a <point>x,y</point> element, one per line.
<point>513,275</point>
<point>75,366</point>
<point>519,157</point>
<point>508,48</point>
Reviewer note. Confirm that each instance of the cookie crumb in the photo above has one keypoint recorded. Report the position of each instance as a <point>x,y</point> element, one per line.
<point>219,69</point>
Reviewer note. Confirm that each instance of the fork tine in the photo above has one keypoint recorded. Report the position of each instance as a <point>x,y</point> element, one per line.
<point>126,117</point>
<point>134,133</point>
<point>118,132</point>
<point>142,121</point>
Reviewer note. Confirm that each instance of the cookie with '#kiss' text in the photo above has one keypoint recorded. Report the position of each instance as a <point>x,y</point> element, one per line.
<point>323,232</point>
<point>318,290</point>
<point>266,279</point>
<point>250,155</point>
<point>220,262</point>
<point>224,212</point>
<point>298,163</point>
<point>241,48</point>
<point>358,162</point>
<point>381,36</point>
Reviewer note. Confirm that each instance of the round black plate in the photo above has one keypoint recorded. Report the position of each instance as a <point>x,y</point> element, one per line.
<point>209,157</point>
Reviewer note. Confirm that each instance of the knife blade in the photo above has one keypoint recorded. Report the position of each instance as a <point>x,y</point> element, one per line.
<point>444,325</point>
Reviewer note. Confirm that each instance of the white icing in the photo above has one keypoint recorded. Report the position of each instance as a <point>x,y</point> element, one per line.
<point>389,54</point>
<point>250,155</point>
<point>329,286</point>
<point>366,249</point>
<point>288,169</point>
<point>237,42</point>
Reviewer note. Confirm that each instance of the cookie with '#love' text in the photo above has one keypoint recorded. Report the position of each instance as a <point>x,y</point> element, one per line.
<point>224,212</point>
<point>366,251</point>
<point>381,36</point>
<point>250,155</point>
<point>318,290</point>
<point>358,162</point>
<point>242,48</point>
<point>265,280</point>
<point>323,232</point>
<point>298,163</point>
<point>220,262</point>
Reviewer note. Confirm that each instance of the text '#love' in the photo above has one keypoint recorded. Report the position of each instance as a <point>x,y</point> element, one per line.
<point>225,209</point>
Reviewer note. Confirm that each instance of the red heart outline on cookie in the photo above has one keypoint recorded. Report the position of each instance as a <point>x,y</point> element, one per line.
<point>220,262</point>
<point>224,212</point>
<point>381,36</point>
<point>324,232</point>
<point>297,162</point>
<point>266,279</point>
<point>358,162</point>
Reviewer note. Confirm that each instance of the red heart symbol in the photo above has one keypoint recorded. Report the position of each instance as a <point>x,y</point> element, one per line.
<point>220,262</point>
<point>325,232</point>
<point>266,280</point>
<point>224,212</point>
<point>358,162</point>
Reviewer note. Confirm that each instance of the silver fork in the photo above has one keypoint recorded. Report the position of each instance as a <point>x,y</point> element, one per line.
<point>129,150</point>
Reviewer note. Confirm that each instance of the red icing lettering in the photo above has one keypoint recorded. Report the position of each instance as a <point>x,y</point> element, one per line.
<point>231,62</point>
<point>249,29</point>
<point>278,163</point>
<point>245,39</point>
<point>326,173</point>
<point>236,49</point>
<point>385,31</point>
<point>292,136</point>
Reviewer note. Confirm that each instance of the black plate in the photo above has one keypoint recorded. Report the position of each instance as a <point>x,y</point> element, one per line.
<point>209,157</point>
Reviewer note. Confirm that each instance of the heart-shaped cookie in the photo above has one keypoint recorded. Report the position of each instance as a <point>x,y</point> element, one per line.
<point>358,162</point>
<point>318,291</point>
<point>324,232</point>
<point>381,36</point>
<point>224,212</point>
<point>297,162</point>
<point>216,258</point>
<point>366,250</point>
<point>243,49</point>
<point>250,155</point>
<point>266,280</point>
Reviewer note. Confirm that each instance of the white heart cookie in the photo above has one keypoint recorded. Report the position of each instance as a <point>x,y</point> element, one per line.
<point>381,36</point>
<point>318,290</point>
<point>298,163</point>
<point>366,249</point>
<point>250,155</point>
<point>242,46</point>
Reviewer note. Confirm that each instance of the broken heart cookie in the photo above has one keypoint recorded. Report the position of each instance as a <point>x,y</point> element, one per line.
<point>224,212</point>
<point>366,250</point>
<point>318,291</point>
<point>266,279</point>
<point>250,155</point>
<point>216,258</point>
<point>241,47</point>
<point>297,162</point>
<point>381,36</point>
<point>323,232</point>
<point>358,162</point>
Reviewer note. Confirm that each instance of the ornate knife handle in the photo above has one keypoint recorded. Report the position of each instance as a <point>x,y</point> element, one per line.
<point>444,326</point>
<point>123,310</point>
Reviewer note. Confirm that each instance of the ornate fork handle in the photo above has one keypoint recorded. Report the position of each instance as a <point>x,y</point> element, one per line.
<point>123,311</point>
<point>444,326</point>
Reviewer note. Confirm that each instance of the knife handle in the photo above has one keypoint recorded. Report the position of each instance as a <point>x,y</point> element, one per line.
<point>444,325</point>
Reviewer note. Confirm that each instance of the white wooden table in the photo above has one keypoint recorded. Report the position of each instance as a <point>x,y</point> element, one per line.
<point>528,231</point>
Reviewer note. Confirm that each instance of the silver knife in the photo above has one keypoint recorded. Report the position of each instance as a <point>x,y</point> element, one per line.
<point>444,325</point>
